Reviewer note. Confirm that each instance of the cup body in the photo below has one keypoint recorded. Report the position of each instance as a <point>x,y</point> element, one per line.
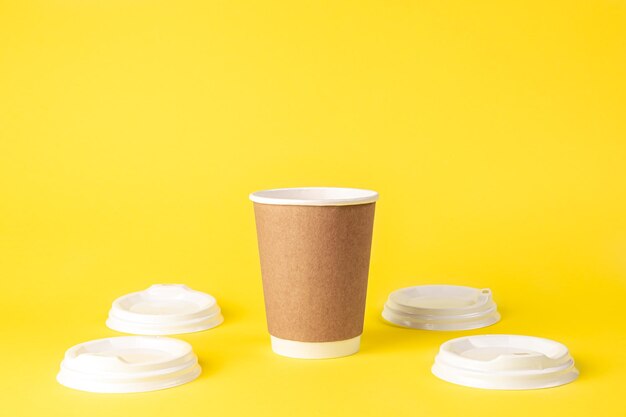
<point>314,247</point>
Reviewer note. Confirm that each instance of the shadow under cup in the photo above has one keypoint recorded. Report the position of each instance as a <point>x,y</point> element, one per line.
<point>314,246</point>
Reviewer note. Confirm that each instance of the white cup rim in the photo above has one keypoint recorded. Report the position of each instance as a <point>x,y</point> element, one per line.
<point>314,196</point>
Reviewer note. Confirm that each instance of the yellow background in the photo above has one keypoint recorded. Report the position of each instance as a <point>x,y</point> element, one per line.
<point>131,133</point>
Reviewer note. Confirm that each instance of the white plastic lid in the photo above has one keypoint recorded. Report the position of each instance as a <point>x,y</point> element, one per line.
<point>164,309</point>
<point>504,362</point>
<point>314,196</point>
<point>129,364</point>
<point>441,307</point>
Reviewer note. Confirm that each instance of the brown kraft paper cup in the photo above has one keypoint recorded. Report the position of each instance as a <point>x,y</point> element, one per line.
<point>314,247</point>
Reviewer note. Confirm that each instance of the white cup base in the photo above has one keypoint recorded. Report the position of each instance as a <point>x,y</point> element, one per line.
<point>315,350</point>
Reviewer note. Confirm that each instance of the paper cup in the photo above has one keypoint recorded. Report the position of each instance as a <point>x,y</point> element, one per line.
<point>314,246</point>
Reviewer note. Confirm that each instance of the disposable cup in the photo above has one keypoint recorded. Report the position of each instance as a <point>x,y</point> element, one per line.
<point>314,247</point>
